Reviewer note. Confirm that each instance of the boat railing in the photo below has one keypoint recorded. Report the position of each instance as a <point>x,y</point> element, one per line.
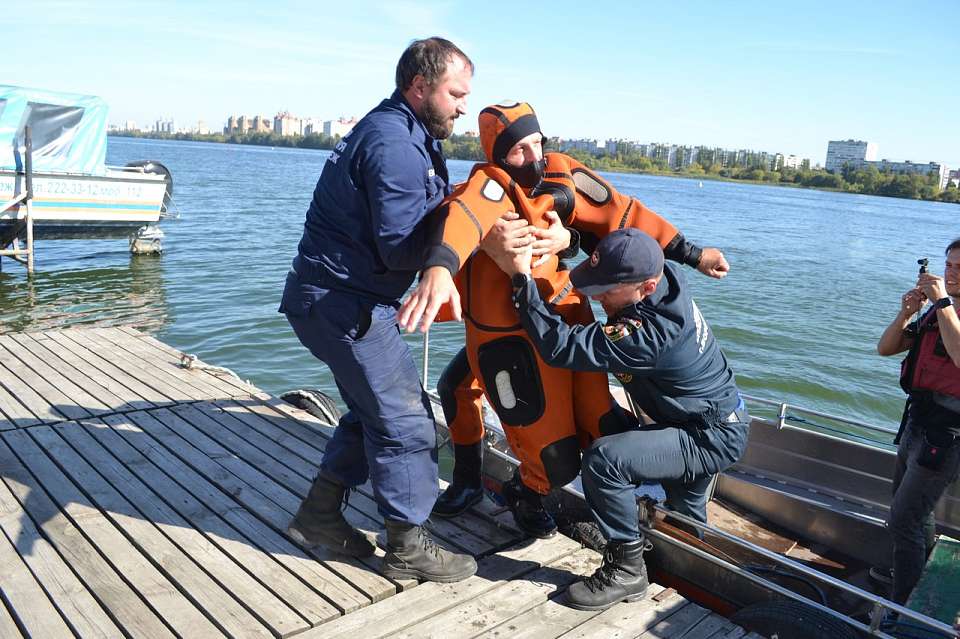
<point>22,255</point>
<point>880,607</point>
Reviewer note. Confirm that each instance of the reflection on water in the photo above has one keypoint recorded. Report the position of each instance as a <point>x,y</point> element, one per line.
<point>131,294</point>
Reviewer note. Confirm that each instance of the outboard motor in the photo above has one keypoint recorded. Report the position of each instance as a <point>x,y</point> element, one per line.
<point>152,166</point>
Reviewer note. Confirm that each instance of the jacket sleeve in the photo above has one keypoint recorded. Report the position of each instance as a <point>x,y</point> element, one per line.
<point>394,176</point>
<point>627,346</point>
<point>599,209</point>
<point>464,219</point>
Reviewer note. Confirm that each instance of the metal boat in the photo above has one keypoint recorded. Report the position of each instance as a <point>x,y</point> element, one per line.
<point>54,182</point>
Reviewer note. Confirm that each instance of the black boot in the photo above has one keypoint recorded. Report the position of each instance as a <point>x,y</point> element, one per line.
<point>526,505</point>
<point>413,554</point>
<point>319,521</point>
<point>621,577</point>
<point>465,490</point>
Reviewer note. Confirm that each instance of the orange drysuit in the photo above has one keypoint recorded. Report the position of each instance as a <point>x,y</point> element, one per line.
<point>548,414</point>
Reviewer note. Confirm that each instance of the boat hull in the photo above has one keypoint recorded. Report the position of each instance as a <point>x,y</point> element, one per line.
<point>66,206</point>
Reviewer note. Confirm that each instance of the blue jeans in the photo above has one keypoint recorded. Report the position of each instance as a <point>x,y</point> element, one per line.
<point>388,435</point>
<point>683,460</point>
<point>916,490</point>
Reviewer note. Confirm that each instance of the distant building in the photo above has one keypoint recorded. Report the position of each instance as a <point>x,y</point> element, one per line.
<point>312,126</point>
<point>286,124</point>
<point>202,127</point>
<point>792,162</point>
<point>231,126</point>
<point>912,168</point>
<point>471,134</point>
<point>243,125</point>
<point>853,152</point>
<point>261,124</point>
<point>590,146</point>
<point>953,177</point>
<point>340,126</point>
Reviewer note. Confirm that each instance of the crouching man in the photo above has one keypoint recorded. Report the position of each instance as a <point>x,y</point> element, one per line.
<point>657,343</point>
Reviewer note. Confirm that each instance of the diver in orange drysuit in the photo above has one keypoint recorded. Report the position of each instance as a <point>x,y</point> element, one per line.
<point>543,424</point>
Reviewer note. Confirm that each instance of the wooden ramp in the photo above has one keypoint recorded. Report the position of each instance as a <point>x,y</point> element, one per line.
<point>140,498</point>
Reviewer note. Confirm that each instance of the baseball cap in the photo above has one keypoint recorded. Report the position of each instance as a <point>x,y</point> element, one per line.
<point>626,255</point>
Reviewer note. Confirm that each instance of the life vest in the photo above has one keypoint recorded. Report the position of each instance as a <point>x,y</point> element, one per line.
<point>926,370</point>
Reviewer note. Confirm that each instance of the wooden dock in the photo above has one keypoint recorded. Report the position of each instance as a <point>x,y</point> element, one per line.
<point>139,498</point>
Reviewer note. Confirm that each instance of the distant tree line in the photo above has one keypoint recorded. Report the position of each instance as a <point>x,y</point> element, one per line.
<point>869,181</point>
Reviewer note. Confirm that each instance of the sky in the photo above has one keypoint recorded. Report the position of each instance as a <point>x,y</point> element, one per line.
<point>769,76</point>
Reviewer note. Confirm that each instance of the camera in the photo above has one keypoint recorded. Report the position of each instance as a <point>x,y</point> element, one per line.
<point>924,263</point>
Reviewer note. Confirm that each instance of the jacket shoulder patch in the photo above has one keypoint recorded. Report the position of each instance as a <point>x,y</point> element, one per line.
<point>492,190</point>
<point>621,328</point>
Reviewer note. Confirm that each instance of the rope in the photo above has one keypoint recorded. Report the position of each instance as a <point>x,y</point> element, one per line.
<point>192,362</point>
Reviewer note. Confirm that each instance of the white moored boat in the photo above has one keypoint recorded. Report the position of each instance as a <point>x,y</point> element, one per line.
<point>54,182</point>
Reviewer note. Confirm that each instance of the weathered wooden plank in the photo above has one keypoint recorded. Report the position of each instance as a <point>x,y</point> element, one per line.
<point>68,594</point>
<point>677,624</point>
<point>709,626</point>
<point>636,618</point>
<point>13,414</point>
<point>172,371</point>
<point>97,384</point>
<point>729,631</point>
<point>235,386</point>
<point>21,591</point>
<point>238,489</point>
<point>63,383</point>
<point>506,601</point>
<point>8,627</point>
<point>11,371</point>
<point>47,390</point>
<point>552,618</point>
<point>234,595</point>
<point>107,367</point>
<point>385,618</point>
<point>134,366</point>
<point>126,607</point>
<point>162,595</point>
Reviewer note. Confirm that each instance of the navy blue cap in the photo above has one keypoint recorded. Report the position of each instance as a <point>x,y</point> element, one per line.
<point>627,255</point>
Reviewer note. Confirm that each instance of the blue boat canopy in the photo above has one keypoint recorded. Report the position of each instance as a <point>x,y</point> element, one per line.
<point>68,131</point>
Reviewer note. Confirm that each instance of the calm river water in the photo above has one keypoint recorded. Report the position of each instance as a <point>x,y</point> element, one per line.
<point>815,278</point>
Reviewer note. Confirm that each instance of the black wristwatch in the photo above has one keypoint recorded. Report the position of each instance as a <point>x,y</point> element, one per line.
<point>943,302</point>
<point>519,280</point>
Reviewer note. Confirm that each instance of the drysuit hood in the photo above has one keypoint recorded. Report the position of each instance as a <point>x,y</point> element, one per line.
<point>503,125</point>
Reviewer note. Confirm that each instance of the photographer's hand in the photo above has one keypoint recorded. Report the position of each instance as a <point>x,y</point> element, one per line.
<point>911,302</point>
<point>932,286</point>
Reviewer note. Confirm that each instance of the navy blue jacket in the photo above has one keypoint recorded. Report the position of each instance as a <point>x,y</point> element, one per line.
<point>364,232</point>
<point>660,348</point>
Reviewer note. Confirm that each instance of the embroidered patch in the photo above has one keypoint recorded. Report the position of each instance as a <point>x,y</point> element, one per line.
<point>625,378</point>
<point>622,328</point>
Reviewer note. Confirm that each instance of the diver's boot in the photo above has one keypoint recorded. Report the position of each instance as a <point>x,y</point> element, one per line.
<point>413,554</point>
<point>526,506</point>
<point>621,577</point>
<point>319,521</point>
<point>465,489</point>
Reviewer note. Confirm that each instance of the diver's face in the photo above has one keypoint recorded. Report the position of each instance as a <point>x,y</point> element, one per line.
<point>528,149</point>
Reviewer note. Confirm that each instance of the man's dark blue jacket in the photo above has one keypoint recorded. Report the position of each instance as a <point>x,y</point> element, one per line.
<point>363,233</point>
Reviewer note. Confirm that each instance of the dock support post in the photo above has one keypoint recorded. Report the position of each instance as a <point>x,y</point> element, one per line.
<point>28,169</point>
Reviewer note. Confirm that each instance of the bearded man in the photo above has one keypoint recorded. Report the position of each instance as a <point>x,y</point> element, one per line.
<point>363,243</point>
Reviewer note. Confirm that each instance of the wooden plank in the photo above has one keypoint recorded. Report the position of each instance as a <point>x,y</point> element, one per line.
<point>97,384</point>
<point>10,378</point>
<point>247,441</point>
<point>13,414</point>
<point>126,607</point>
<point>163,596</point>
<point>552,618</point>
<point>637,618</point>
<point>235,386</point>
<point>68,594</point>
<point>135,446</point>
<point>8,627</point>
<point>234,596</point>
<point>729,631</point>
<point>131,365</point>
<point>709,626</point>
<point>354,571</point>
<point>94,360</point>
<point>49,390</point>
<point>187,379</point>
<point>677,624</point>
<point>506,601</point>
<point>54,377</point>
<point>401,611</point>
<point>24,595</point>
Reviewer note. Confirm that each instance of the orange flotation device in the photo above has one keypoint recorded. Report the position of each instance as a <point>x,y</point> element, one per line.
<point>548,414</point>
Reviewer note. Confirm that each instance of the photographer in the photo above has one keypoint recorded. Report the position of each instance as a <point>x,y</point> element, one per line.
<point>928,457</point>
